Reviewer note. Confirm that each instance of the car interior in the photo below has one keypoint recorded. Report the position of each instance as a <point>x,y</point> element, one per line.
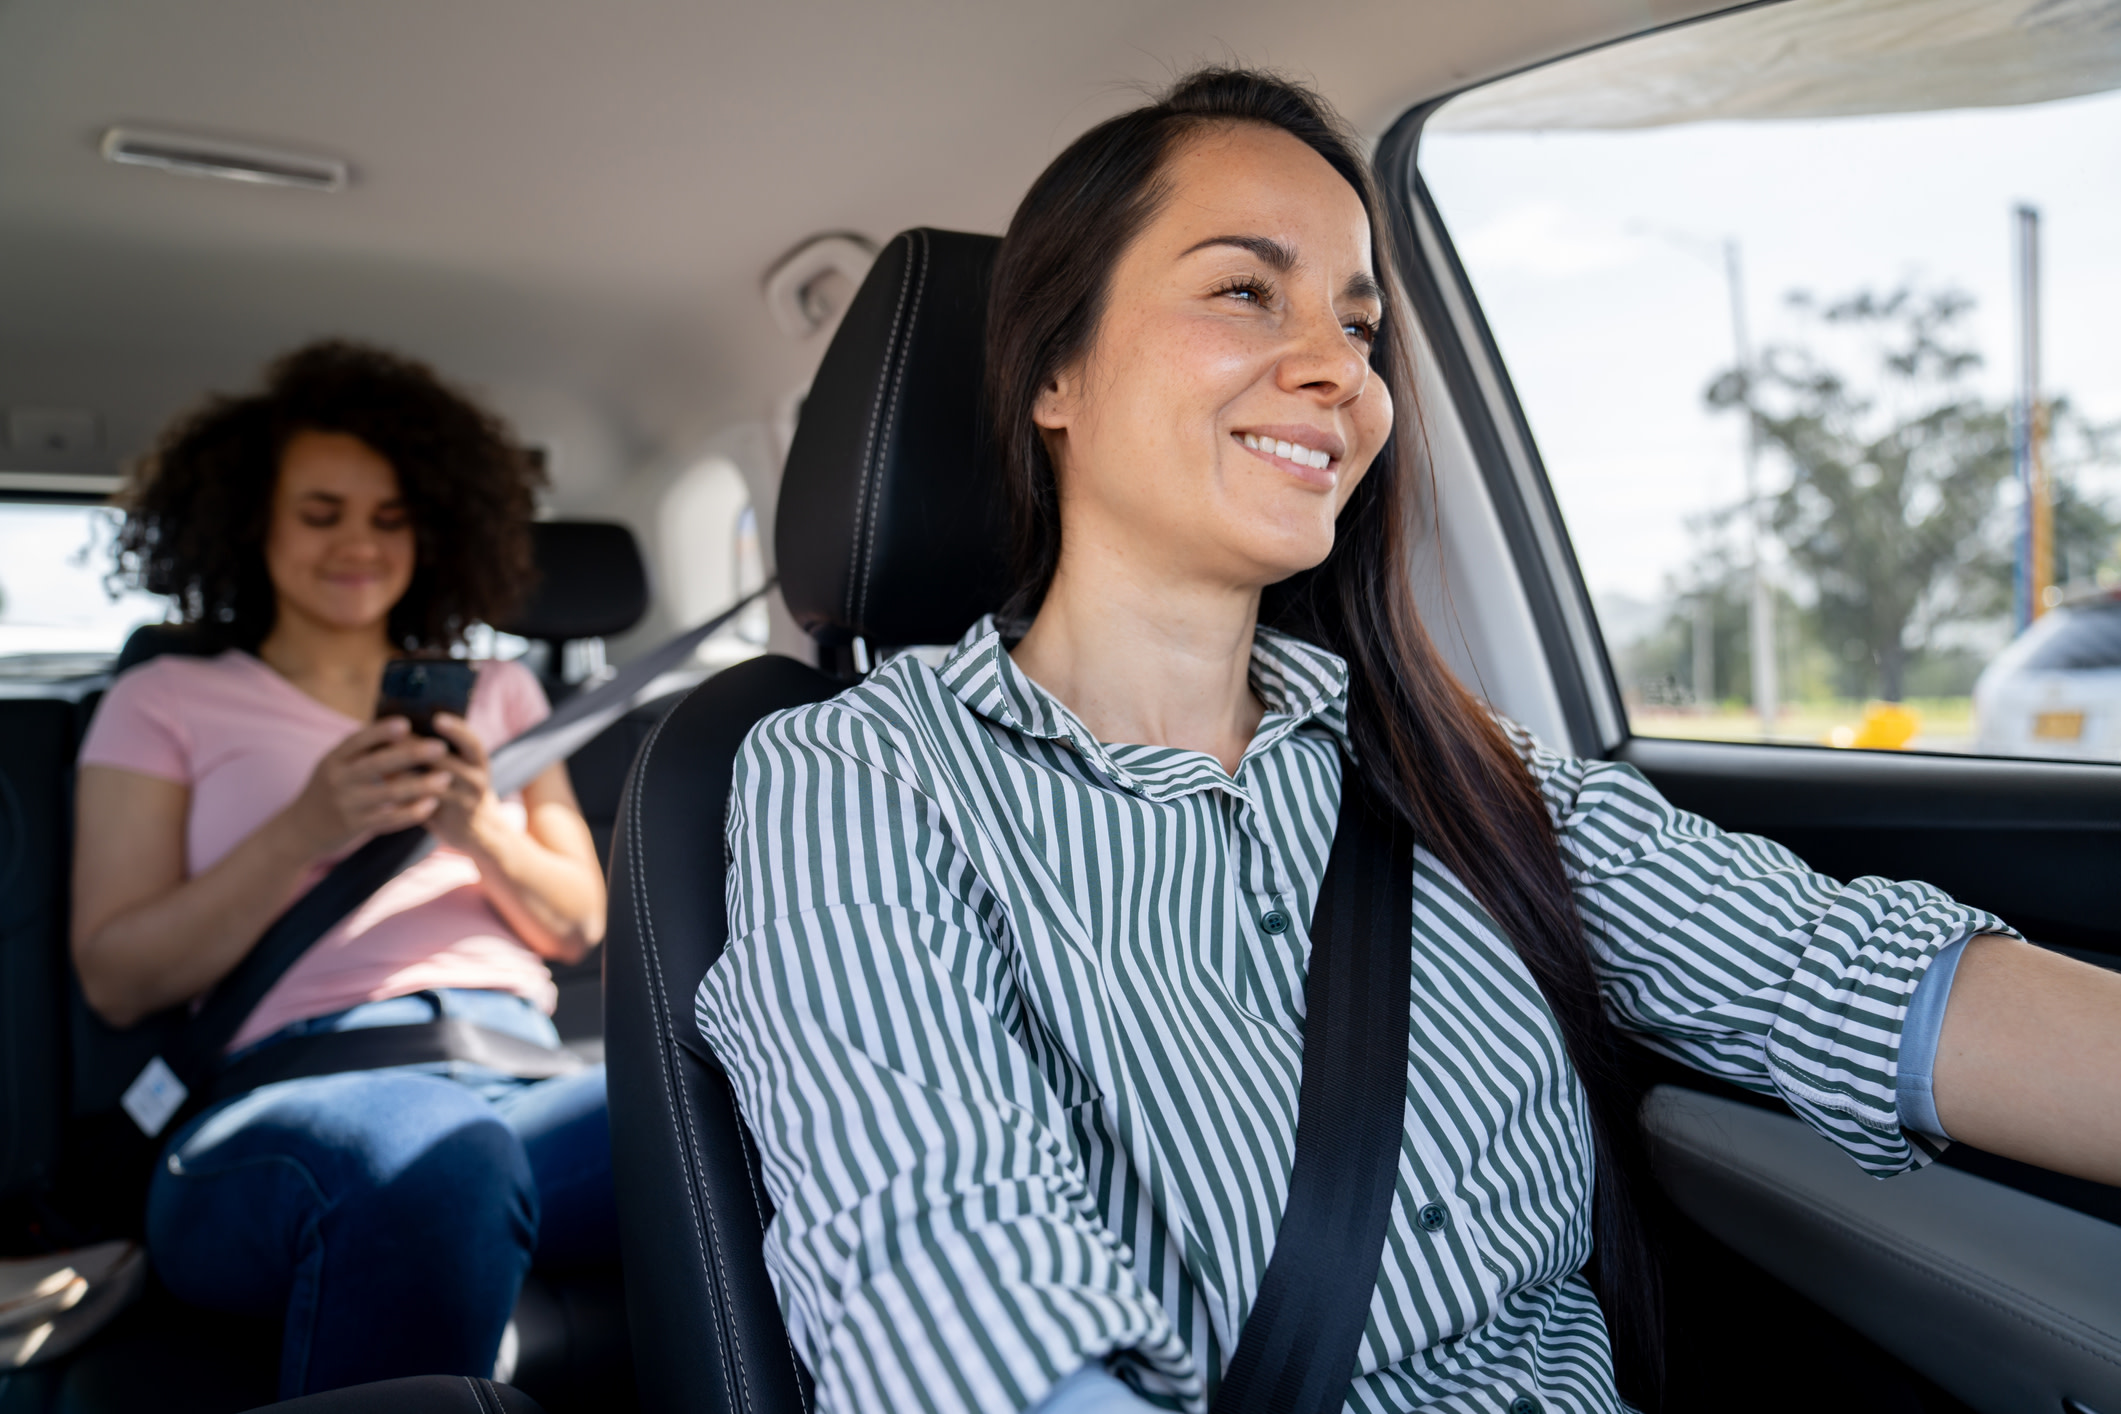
<point>727,270</point>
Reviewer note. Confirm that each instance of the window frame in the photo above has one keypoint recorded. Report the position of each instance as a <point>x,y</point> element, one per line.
<point>1471,368</point>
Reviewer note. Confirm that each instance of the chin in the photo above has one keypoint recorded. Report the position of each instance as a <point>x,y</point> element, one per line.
<point>1291,554</point>
<point>348,618</point>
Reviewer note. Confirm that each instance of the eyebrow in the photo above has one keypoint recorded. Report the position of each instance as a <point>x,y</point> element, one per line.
<point>1281,259</point>
<point>313,494</point>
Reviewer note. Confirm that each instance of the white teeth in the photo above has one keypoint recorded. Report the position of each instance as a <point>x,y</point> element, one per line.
<point>1292,451</point>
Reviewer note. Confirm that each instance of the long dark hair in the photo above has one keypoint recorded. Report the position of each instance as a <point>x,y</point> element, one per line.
<point>197,507</point>
<point>1434,750</point>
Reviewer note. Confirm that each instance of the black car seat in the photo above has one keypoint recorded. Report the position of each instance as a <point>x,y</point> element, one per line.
<point>38,736</point>
<point>592,585</point>
<point>890,531</point>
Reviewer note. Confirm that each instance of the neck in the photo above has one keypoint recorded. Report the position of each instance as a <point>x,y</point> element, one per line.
<point>340,667</point>
<point>1143,658</point>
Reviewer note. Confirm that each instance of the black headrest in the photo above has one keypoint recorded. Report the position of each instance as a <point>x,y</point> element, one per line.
<point>892,525</point>
<point>591,582</point>
<point>154,640</point>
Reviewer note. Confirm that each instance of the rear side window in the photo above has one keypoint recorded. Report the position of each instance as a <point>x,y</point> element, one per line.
<point>59,616</point>
<point>1808,310</point>
<point>2088,640</point>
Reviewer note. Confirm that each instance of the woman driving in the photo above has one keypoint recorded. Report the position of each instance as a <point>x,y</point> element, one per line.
<point>1014,992</point>
<point>355,510</point>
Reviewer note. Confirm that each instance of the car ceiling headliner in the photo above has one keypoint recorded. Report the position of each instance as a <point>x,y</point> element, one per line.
<point>572,205</point>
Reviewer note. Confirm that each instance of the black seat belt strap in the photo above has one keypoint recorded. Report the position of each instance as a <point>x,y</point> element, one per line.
<point>1296,1353</point>
<point>445,1039</point>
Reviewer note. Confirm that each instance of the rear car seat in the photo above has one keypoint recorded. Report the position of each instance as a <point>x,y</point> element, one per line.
<point>592,585</point>
<point>572,1339</point>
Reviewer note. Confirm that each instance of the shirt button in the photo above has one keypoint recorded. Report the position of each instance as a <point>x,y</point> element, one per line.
<point>1274,921</point>
<point>1524,1404</point>
<point>1432,1217</point>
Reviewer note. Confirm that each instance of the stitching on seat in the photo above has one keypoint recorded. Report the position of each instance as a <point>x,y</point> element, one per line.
<point>1917,1256</point>
<point>696,1197</point>
<point>862,499</point>
<point>872,488</point>
<point>758,1207</point>
<point>482,1395</point>
<point>703,1224</point>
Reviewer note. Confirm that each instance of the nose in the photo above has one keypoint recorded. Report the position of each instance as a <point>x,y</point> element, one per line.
<point>1323,361</point>
<point>357,539</point>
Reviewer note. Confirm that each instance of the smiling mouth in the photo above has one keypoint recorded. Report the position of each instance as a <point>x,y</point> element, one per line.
<point>1306,458</point>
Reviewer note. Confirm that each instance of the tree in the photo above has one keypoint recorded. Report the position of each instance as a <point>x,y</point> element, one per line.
<point>1891,488</point>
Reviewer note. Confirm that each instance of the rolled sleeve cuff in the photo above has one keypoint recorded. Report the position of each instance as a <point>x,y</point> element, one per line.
<point>1092,1390</point>
<point>1919,1035</point>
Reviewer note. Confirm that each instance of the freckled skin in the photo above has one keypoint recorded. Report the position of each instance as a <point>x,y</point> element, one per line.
<point>1141,433</point>
<point>1247,303</point>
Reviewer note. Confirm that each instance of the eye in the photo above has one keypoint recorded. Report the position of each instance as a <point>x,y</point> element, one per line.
<point>394,519</point>
<point>1248,288</point>
<point>1361,329</point>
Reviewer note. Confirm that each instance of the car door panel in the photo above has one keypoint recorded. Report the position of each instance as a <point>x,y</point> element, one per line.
<point>2005,1299</point>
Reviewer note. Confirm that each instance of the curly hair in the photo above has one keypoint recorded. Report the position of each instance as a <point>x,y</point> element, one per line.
<point>197,508</point>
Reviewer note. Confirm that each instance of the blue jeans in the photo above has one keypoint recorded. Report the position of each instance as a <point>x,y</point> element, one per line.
<point>390,1214</point>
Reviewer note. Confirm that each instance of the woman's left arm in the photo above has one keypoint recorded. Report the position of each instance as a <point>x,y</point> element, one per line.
<point>544,880</point>
<point>2029,1062</point>
<point>1724,951</point>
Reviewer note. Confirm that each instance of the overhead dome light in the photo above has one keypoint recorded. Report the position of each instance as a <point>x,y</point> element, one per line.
<point>232,161</point>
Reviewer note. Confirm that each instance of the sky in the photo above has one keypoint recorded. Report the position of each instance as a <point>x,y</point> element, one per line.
<point>1597,259</point>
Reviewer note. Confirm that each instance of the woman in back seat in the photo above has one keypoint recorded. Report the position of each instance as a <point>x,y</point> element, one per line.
<point>355,510</point>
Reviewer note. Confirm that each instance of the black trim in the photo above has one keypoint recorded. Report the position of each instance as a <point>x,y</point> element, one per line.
<point>1544,583</point>
<point>11,495</point>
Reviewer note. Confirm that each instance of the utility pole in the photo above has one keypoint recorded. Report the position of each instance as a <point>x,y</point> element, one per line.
<point>1760,615</point>
<point>2036,542</point>
<point>1704,652</point>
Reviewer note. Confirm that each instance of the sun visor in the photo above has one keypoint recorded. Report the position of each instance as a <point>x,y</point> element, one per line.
<point>1815,59</point>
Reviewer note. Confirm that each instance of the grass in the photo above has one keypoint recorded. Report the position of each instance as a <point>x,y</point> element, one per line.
<point>1945,723</point>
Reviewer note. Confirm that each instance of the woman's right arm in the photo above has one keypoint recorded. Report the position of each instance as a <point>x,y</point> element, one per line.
<point>146,937</point>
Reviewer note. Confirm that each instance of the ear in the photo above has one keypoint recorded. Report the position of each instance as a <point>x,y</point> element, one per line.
<point>1055,406</point>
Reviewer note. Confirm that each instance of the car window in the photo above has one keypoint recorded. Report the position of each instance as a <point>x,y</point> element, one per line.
<point>58,615</point>
<point>1811,313</point>
<point>2088,640</point>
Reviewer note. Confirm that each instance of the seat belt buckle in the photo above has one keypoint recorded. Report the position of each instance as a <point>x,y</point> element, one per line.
<point>154,1096</point>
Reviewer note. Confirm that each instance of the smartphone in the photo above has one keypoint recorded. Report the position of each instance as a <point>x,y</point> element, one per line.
<point>417,688</point>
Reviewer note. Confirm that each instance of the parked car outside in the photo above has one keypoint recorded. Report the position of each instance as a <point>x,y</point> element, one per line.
<point>2056,690</point>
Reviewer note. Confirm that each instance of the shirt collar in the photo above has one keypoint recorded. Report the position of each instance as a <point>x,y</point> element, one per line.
<point>1298,683</point>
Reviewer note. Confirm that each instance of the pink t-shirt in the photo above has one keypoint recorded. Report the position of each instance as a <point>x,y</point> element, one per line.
<point>245,740</point>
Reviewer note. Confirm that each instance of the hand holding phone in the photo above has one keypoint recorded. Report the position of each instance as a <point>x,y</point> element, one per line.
<point>417,688</point>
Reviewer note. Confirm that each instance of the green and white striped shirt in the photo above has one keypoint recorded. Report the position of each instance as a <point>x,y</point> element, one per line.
<point>1017,1018</point>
